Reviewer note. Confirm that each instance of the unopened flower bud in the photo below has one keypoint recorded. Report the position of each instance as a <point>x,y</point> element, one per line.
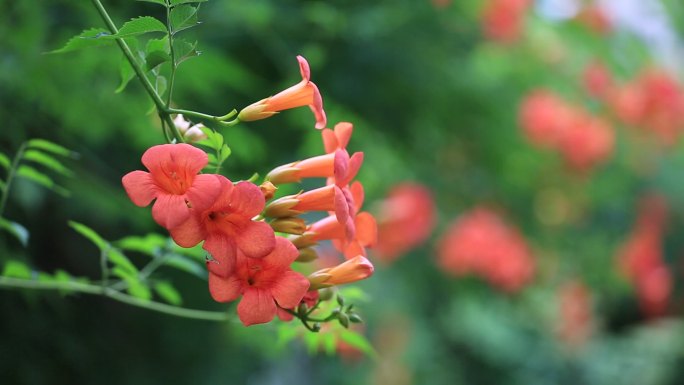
<point>268,189</point>
<point>344,320</point>
<point>340,299</point>
<point>304,240</point>
<point>353,317</point>
<point>307,254</point>
<point>291,225</point>
<point>283,174</point>
<point>316,327</point>
<point>325,294</point>
<point>282,207</point>
<point>302,308</point>
<point>352,270</point>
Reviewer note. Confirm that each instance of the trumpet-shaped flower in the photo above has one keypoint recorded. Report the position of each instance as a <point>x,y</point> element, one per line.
<point>304,93</point>
<point>227,226</point>
<point>174,182</point>
<point>328,198</point>
<point>264,284</point>
<point>338,138</point>
<point>351,270</point>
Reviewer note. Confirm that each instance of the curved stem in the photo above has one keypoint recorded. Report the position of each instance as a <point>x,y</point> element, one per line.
<point>169,30</point>
<point>218,119</point>
<point>6,282</point>
<point>10,176</point>
<point>140,73</point>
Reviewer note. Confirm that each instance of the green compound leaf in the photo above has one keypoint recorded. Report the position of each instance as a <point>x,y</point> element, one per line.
<point>135,287</point>
<point>17,230</point>
<point>47,161</point>
<point>149,244</point>
<point>168,293</point>
<point>127,74</point>
<point>16,269</point>
<point>118,259</point>
<point>184,50</point>
<point>183,17</point>
<point>34,175</point>
<point>90,234</point>
<point>156,58</point>
<point>46,145</point>
<point>86,39</point>
<point>5,161</point>
<point>179,2</point>
<point>137,26</point>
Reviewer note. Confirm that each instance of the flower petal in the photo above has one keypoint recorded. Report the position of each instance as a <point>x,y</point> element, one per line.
<point>224,289</point>
<point>188,233</point>
<point>170,210</point>
<point>222,249</point>
<point>304,67</point>
<point>317,108</point>
<point>289,289</point>
<point>168,156</point>
<point>247,199</point>
<point>140,187</point>
<point>366,229</point>
<point>330,141</point>
<point>256,307</point>
<point>343,132</point>
<point>282,256</point>
<point>256,239</point>
<point>204,191</point>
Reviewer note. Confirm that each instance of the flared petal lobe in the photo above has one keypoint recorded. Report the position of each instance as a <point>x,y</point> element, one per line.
<point>140,187</point>
<point>256,307</point>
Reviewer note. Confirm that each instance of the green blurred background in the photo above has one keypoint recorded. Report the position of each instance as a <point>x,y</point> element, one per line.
<point>433,100</point>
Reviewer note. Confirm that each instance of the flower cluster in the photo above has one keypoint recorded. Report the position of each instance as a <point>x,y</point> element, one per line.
<point>405,219</point>
<point>653,102</point>
<point>548,121</point>
<point>247,259</point>
<point>641,257</point>
<point>481,243</point>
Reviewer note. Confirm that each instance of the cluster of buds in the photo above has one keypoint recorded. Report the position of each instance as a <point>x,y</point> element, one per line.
<point>249,253</point>
<point>350,230</point>
<point>641,257</point>
<point>550,122</point>
<point>481,243</point>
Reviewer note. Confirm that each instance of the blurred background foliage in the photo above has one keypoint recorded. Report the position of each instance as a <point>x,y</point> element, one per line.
<point>434,92</point>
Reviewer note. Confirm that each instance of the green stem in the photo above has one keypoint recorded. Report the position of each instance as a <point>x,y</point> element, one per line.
<point>161,107</point>
<point>10,176</point>
<point>6,282</point>
<point>217,119</point>
<point>172,77</point>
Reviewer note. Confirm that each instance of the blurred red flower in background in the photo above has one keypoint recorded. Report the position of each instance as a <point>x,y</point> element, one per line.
<point>481,243</point>
<point>550,122</point>
<point>575,314</point>
<point>641,257</point>
<point>502,20</point>
<point>405,219</point>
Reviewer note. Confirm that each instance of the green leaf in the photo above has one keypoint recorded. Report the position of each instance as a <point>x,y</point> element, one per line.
<point>62,276</point>
<point>183,17</point>
<point>187,265</point>
<point>54,148</point>
<point>137,289</point>
<point>184,50</point>
<point>5,161</point>
<point>117,258</point>
<point>47,161</point>
<point>156,58</point>
<point>138,26</point>
<point>358,341</point>
<point>127,74</point>
<point>90,234</point>
<point>16,269</point>
<point>214,139</point>
<point>42,179</point>
<point>149,244</point>
<point>17,230</point>
<point>224,153</point>
<point>86,39</point>
<point>179,2</point>
<point>168,293</point>
<point>196,252</point>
